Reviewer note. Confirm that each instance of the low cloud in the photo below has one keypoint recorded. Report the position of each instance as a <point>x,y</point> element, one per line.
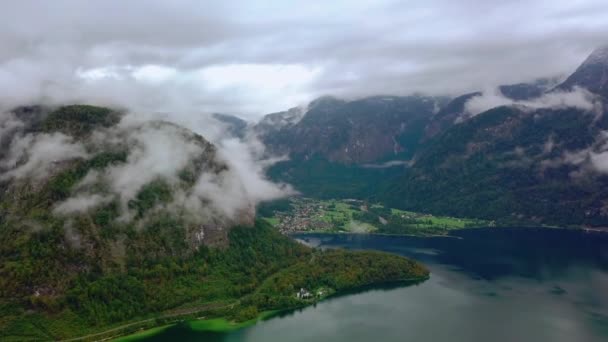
<point>391,163</point>
<point>591,159</point>
<point>229,184</point>
<point>577,98</point>
<point>155,151</point>
<point>261,57</point>
<point>36,155</point>
<point>599,161</point>
<point>81,203</point>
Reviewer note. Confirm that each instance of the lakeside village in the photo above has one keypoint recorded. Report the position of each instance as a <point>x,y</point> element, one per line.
<point>358,216</point>
<point>305,216</point>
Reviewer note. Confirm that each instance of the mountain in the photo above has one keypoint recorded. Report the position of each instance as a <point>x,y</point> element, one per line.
<point>447,116</point>
<point>513,164</point>
<point>372,129</point>
<point>275,122</point>
<point>81,153</point>
<point>540,160</point>
<point>527,91</point>
<point>592,74</point>
<point>536,164</point>
<point>455,110</point>
<point>236,126</point>
<point>367,130</point>
<point>107,220</point>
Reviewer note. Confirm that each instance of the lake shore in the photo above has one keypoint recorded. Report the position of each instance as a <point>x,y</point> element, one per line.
<point>221,325</point>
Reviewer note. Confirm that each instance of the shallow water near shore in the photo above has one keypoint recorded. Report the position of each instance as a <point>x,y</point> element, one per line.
<point>488,285</point>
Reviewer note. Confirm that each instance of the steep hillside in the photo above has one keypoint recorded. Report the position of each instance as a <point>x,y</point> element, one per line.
<point>368,130</point>
<point>592,74</point>
<point>447,116</point>
<point>514,164</point>
<point>108,222</point>
<point>538,158</point>
<point>540,162</point>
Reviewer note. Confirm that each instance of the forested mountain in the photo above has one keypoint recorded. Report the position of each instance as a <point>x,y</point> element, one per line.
<point>537,163</point>
<point>538,157</point>
<point>353,132</point>
<point>105,218</point>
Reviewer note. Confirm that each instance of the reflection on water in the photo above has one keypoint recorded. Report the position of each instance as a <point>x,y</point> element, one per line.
<point>486,285</point>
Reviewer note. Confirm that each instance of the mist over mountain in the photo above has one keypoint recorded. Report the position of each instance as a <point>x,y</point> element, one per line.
<point>138,142</point>
<point>592,74</point>
<point>113,159</point>
<point>359,131</point>
<point>530,153</point>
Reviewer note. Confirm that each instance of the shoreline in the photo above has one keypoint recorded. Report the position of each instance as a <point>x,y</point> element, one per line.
<point>308,232</point>
<point>324,232</point>
<point>220,324</point>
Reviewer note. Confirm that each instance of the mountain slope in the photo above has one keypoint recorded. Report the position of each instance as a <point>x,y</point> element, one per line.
<point>109,221</point>
<point>541,164</point>
<point>543,159</point>
<point>592,74</point>
<point>353,132</point>
<point>512,164</point>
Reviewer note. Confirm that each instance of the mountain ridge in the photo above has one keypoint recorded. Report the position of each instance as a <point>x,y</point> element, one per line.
<point>539,143</point>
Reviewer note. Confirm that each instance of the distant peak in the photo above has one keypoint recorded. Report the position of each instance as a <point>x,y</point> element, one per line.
<point>592,74</point>
<point>599,55</point>
<point>325,101</point>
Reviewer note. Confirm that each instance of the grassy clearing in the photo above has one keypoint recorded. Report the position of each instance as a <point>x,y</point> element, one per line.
<point>223,325</point>
<point>353,216</point>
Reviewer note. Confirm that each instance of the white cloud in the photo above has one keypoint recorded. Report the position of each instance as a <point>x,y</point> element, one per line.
<point>154,74</point>
<point>258,57</point>
<point>600,161</point>
<point>577,98</point>
<point>80,203</point>
<point>37,155</point>
<point>155,151</point>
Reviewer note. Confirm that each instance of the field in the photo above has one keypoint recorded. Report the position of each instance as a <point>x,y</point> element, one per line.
<point>301,214</point>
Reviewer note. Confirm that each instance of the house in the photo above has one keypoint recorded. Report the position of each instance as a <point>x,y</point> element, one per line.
<point>303,294</point>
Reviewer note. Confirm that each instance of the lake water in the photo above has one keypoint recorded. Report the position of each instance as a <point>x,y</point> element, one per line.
<point>487,285</point>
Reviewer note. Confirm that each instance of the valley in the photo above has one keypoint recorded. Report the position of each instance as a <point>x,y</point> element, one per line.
<point>350,171</point>
<point>308,215</point>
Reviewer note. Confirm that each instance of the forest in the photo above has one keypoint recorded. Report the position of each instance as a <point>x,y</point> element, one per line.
<point>260,270</point>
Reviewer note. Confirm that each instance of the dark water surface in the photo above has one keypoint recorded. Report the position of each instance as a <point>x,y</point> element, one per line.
<point>486,285</point>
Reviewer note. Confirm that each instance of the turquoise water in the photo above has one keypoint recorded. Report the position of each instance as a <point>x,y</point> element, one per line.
<point>486,285</point>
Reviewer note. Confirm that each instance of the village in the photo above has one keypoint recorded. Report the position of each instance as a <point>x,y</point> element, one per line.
<point>307,215</point>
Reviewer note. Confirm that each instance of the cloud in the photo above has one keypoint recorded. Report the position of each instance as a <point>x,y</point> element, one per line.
<point>577,98</point>
<point>36,155</point>
<point>155,152</point>
<point>600,161</point>
<point>8,125</point>
<point>590,159</point>
<point>232,182</point>
<point>228,176</point>
<point>80,203</point>
<point>259,57</point>
<point>391,163</point>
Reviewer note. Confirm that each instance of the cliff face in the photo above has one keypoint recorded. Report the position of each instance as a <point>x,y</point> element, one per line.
<point>592,74</point>
<point>351,132</point>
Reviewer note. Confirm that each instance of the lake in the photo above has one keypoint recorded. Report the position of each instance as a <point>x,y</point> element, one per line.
<point>486,285</point>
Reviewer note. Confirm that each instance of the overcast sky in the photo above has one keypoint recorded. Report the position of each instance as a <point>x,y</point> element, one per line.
<point>255,57</point>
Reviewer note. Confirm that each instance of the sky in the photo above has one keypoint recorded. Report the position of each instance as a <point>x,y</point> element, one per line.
<point>250,58</point>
